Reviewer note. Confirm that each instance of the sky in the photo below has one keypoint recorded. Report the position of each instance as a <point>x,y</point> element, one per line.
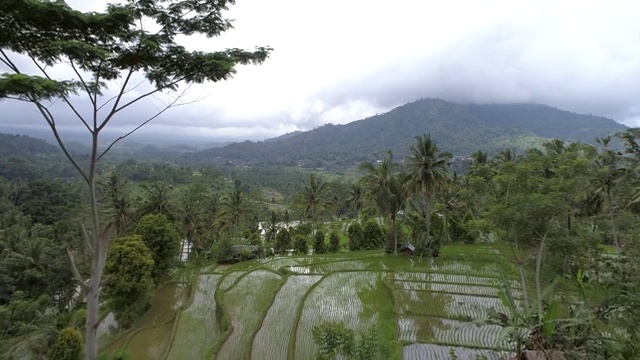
<point>337,61</point>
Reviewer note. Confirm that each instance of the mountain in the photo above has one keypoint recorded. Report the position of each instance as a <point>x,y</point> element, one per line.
<point>458,128</point>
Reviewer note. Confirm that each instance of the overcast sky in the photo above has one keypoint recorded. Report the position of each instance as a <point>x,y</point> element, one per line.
<point>341,60</point>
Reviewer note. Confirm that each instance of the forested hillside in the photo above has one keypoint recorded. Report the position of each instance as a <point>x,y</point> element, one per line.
<point>460,129</point>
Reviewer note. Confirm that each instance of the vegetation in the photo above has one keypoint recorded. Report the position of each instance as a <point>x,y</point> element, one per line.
<point>101,47</point>
<point>128,282</point>
<point>528,252</point>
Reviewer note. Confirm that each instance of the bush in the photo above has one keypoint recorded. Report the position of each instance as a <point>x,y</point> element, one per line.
<point>221,251</point>
<point>163,239</point>
<point>373,237</point>
<point>283,241</point>
<point>356,236</point>
<point>128,284</point>
<point>319,246</point>
<point>334,242</point>
<point>67,346</point>
<point>300,244</point>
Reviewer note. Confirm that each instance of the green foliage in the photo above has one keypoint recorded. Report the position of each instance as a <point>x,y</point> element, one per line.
<point>163,239</point>
<point>373,236</point>
<point>334,242</point>
<point>338,341</point>
<point>300,244</point>
<point>334,339</point>
<point>319,245</point>
<point>221,251</point>
<point>67,346</point>
<point>128,282</point>
<point>304,228</point>
<point>283,241</point>
<point>356,236</point>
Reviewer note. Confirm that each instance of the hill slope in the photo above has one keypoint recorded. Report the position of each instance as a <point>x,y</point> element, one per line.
<point>460,129</point>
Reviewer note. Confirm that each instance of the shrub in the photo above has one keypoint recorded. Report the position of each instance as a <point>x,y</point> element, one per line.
<point>356,236</point>
<point>373,237</point>
<point>67,346</point>
<point>283,241</point>
<point>300,244</point>
<point>334,242</point>
<point>128,284</point>
<point>319,246</point>
<point>163,239</point>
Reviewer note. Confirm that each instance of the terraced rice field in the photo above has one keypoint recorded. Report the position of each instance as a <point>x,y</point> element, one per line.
<point>266,309</point>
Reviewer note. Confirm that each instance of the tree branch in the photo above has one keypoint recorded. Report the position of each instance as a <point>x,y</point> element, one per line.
<point>84,84</point>
<point>75,272</point>
<point>116,110</point>
<point>116,96</point>
<point>167,107</point>
<point>52,124</point>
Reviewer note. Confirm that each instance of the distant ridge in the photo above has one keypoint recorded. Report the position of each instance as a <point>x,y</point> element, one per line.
<point>457,128</point>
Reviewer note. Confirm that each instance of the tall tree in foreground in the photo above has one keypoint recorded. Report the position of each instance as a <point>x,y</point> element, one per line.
<point>129,41</point>
<point>427,168</point>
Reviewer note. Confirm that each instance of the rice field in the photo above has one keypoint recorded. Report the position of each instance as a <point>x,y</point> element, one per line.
<point>272,340</point>
<point>197,324</point>
<point>335,298</point>
<point>432,308</point>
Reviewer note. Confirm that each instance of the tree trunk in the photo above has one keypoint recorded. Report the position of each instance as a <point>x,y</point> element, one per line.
<point>427,216</point>
<point>395,236</point>
<point>538,267</point>
<point>613,222</point>
<point>100,248</point>
<point>523,276</point>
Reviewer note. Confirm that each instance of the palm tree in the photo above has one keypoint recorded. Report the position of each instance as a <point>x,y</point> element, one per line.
<point>272,227</point>
<point>427,169</point>
<point>157,199</point>
<point>356,199</point>
<point>383,187</point>
<point>313,197</point>
<point>233,209</point>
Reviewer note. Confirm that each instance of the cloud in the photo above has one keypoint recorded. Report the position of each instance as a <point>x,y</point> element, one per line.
<point>339,61</point>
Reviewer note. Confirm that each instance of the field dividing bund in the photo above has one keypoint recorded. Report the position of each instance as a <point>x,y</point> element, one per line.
<point>197,326</point>
<point>272,340</point>
<point>247,303</point>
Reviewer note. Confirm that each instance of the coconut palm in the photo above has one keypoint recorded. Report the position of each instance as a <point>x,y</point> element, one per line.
<point>234,209</point>
<point>383,187</point>
<point>428,168</point>
<point>312,199</point>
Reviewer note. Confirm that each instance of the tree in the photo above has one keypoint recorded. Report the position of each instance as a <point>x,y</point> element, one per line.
<point>128,282</point>
<point>372,234</point>
<point>163,239</point>
<point>356,236</point>
<point>300,244</point>
<point>157,199</point>
<point>127,39</point>
<point>427,169</point>
<point>313,197</point>
<point>283,241</point>
<point>383,187</point>
<point>234,209</point>
<point>334,242</point>
<point>271,227</point>
<point>67,346</point>
<point>319,247</point>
